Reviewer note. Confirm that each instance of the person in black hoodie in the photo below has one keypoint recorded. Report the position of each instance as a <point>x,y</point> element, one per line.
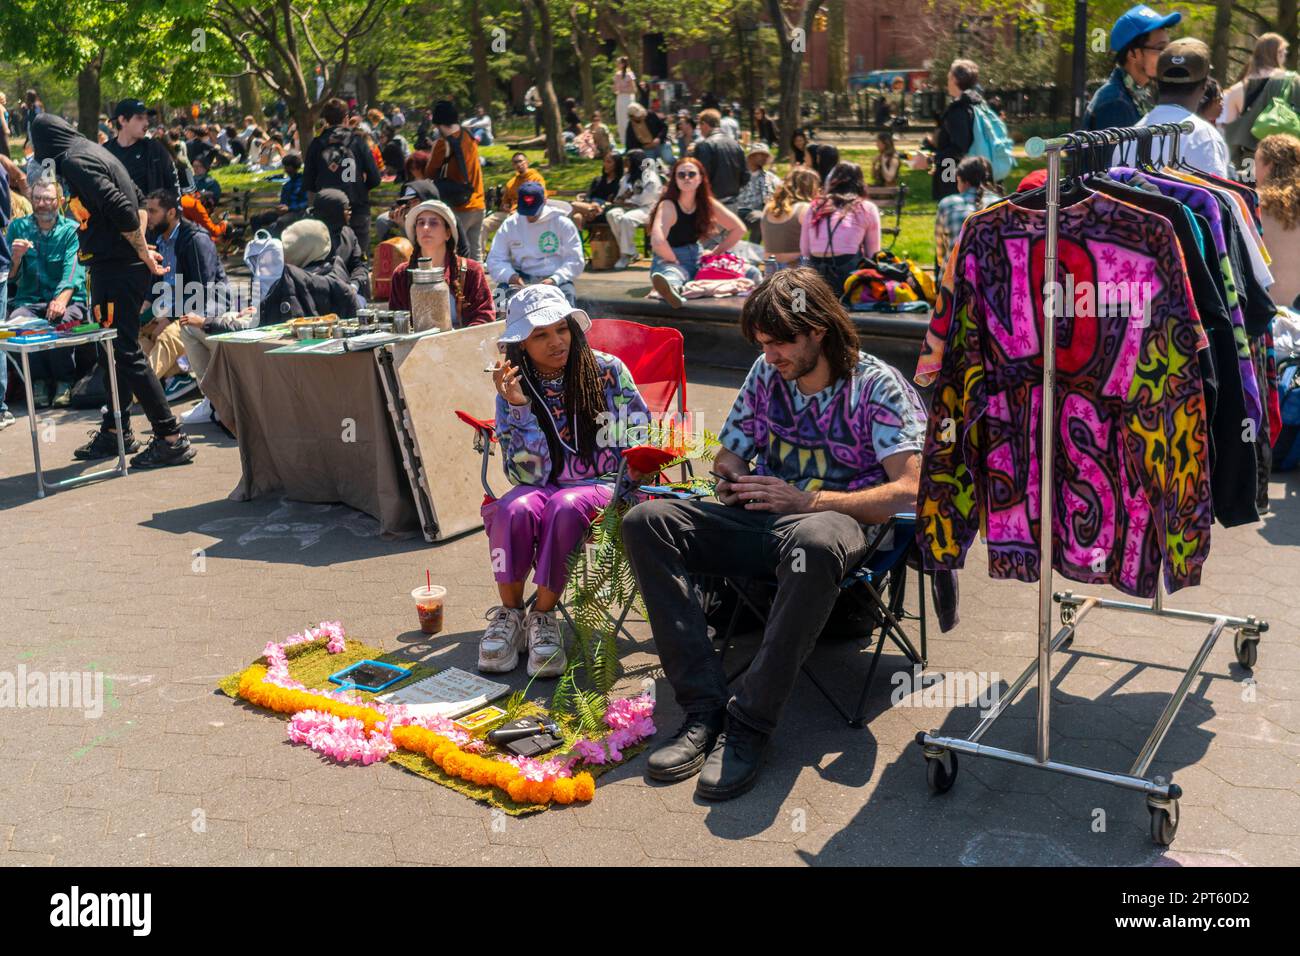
<point>121,268</point>
<point>956,133</point>
<point>148,162</point>
<point>340,159</point>
<point>332,208</point>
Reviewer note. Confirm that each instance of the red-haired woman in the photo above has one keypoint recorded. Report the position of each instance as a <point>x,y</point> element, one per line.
<point>684,215</point>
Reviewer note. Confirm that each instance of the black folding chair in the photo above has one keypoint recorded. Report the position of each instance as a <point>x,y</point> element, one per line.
<point>877,584</point>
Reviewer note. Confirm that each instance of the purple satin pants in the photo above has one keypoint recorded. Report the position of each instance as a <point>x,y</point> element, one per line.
<point>539,526</point>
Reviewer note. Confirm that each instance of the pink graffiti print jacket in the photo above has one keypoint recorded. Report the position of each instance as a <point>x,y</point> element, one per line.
<point>1132,490</point>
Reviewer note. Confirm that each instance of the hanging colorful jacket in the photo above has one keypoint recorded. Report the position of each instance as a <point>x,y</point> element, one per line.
<point>1132,487</point>
<point>526,455</point>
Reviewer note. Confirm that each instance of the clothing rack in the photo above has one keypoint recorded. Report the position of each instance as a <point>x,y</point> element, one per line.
<point>941,752</point>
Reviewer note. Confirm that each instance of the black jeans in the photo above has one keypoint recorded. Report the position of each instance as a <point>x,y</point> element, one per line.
<point>117,294</point>
<point>360,223</point>
<point>808,555</point>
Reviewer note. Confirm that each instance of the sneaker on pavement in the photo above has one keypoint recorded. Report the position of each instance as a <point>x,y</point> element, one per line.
<point>161,453</point>
<point>545,645</point>
<point>62,395</point>
<point>178,386</point>
<point>103,444</point>
<point>667,291</point>
<point>623,262</point>
<point>6,419</point>
<point>43,393</point>
<point>199,414</point>
<point>499,647</point>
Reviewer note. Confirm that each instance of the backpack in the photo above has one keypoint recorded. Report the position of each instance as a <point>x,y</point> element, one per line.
<point>992,141</point>
<point>335,157</point>
<point>1286,450</point>
<point>1279,116</point>
<point>887,280</point>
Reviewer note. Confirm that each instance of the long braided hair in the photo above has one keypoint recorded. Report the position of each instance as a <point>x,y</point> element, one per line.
<point>584,397</point>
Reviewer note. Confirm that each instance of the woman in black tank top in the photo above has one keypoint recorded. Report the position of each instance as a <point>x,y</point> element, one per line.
<point>686,214</point>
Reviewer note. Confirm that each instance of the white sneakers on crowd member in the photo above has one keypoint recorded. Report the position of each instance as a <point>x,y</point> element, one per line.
<point>545,645</point>
<point>498,649</point>
<point>623,262</point>
<point>6,417</point>
<point>199,414</point>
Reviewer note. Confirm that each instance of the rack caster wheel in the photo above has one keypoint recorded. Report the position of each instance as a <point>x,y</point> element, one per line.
<point>1068,614</point>
<point>1164,822</point>
<point>941,771</point>
<point>1247,648</point>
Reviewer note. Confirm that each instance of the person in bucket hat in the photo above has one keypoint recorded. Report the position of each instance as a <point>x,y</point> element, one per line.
<point>563,412</point>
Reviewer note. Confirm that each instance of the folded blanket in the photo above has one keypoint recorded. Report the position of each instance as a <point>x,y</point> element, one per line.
<point>713,289</point>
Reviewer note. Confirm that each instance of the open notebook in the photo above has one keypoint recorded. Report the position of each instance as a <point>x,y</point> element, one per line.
<point>448,693</point>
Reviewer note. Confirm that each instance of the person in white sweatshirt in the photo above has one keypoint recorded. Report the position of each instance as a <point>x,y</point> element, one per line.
<point>536,244</point>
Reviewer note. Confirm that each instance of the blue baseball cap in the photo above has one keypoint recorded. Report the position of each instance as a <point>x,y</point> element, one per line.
<point>1137,21</point>
<point>532,197</point>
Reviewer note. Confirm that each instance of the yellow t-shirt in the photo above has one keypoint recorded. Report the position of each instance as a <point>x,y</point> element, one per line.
<point>511,197</point>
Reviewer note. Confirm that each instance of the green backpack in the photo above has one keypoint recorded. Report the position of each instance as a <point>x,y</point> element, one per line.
<point>1279,116</point>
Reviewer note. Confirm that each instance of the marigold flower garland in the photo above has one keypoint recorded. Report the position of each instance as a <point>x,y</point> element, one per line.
<point>335,724</point>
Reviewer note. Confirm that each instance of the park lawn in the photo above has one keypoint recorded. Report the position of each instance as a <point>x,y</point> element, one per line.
<point>915,240</point>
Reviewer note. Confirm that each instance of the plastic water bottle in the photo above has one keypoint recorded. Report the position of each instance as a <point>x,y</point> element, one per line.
<point>769,266</point>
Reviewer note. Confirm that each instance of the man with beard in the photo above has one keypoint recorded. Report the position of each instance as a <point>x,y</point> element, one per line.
<point>121,268</point>
<point>835,437</point>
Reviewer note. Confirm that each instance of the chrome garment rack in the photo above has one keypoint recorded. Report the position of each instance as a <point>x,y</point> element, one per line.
<point>941,752</point>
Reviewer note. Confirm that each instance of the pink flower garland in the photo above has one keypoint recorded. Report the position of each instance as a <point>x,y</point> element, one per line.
<point>630,722</point>
<point>346,739</point>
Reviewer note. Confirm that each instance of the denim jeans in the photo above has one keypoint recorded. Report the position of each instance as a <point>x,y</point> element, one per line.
<point>807,554</point>
<point>683,270</point>
<point>504,291</point>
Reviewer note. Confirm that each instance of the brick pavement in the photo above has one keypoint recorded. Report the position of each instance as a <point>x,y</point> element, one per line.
<point>109,577</point>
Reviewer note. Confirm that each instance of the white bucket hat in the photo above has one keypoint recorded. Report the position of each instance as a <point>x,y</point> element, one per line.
<point>434,205</point>
<point>535,307</point>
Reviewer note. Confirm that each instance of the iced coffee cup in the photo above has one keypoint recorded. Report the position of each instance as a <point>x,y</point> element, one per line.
<point>428,603</point>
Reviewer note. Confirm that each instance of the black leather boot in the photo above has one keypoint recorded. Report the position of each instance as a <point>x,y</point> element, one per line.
<point>732,766</point>
<point>684,755</point>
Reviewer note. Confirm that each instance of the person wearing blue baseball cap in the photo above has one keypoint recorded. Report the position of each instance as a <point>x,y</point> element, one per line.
<point>538,243</point>
<point>1136,39</point>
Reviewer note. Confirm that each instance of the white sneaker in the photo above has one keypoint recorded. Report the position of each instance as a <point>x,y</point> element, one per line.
<point>545,645</point>
<point>499,647</point>
<point>6,417</point>
<point>199,414</point>
<point>623,262</point>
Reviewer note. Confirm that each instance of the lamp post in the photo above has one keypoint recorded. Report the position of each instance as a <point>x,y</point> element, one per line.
<point>1080,77</point>
<point>747,36</point>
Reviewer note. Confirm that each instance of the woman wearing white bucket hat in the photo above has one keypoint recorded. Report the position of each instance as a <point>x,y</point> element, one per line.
<point>431,227</point>
<point>563,412</point>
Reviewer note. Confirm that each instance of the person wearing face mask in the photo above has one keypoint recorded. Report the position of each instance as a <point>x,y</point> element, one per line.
<point>455,169</point>
<point>51,286</point>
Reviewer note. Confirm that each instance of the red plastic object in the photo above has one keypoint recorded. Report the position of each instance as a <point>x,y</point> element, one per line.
<point>647,459</point>
<point>655,356</point>
<point>485,424</point>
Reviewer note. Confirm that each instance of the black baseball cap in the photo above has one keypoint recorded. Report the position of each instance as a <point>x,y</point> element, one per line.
<point>128,108</point>
<point>421,189</point>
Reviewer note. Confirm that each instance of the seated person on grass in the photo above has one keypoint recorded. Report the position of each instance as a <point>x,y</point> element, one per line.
<point>293,200</point>
<point>834,437</point>
<point>554,398</point>
<point>51,285</point>
<point>538,243</point>
<point>510,196</point>
<point>209,189</point>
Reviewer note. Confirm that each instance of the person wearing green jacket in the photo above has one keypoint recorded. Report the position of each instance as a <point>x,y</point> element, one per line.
<point>51,285</point>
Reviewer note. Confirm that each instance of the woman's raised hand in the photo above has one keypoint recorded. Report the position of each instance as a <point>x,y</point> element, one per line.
<point>506,378</point>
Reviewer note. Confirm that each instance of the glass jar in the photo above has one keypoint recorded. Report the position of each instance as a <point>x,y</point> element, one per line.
<point>430,298</point>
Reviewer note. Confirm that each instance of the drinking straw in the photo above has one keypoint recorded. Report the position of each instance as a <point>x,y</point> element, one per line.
<point>428,582</point>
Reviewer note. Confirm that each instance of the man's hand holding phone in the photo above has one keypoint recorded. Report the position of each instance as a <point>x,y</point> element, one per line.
<point>725,490</point>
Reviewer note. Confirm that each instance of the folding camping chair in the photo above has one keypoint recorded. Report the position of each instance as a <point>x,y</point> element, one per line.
<point>877,583</point>
<point>656,359</point>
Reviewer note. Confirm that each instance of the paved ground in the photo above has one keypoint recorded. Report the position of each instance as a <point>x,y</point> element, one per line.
<point>164,585</point>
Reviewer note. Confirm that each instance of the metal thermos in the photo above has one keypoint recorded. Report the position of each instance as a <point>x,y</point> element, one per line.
<point>430,298</point>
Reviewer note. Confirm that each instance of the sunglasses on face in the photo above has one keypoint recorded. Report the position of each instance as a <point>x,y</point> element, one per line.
<point>686,174</point>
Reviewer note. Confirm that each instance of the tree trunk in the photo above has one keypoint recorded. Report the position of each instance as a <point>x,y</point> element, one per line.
<point>1221,41</point>
<point>305,115</point>
<point>1286,23</point>
<point>584,46</point>
<point>793,47</point>
<point>1064,74</point>
<point>541,60</point>
<point>837,66</point>
<point>372,87</point>
<point>478,43</point>
<point>88,98</point>
<point>250,98</point>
